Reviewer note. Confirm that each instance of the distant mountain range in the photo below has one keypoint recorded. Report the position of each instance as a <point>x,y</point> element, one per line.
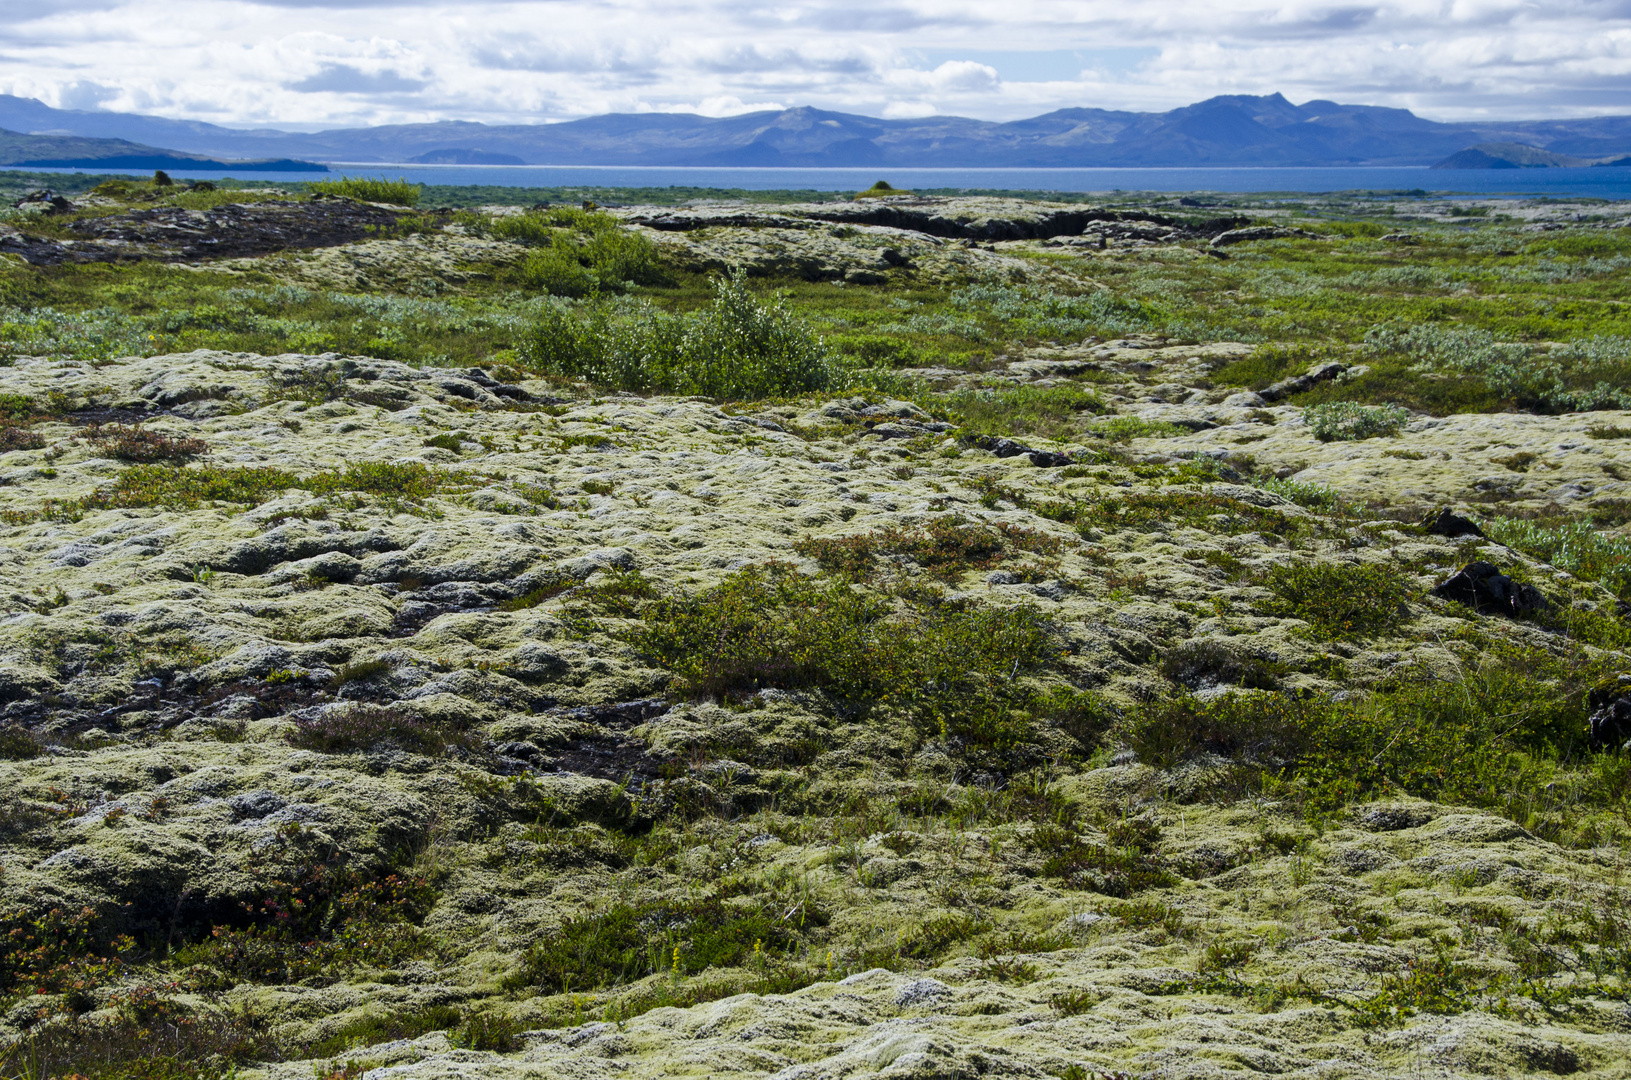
<point>1506,155</point>
<point>1223,131</point>
<point>78,152</point>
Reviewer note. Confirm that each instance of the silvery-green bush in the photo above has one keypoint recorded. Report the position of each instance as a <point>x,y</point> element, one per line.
<point>1575,376</point>
<point>1345,421</point>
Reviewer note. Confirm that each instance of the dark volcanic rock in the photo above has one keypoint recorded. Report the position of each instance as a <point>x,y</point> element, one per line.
<point>1307,381</point>
<point>175,234</point>
<point>1007,448</point>
<point>1449,524</point>
<point>1610,723</point>
<point>1487,591</point>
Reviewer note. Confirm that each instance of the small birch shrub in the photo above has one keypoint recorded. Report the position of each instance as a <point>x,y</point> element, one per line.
<point>1349,421</point>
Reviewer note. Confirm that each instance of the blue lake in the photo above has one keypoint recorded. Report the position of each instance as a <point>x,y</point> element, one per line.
<point>1602,183</point>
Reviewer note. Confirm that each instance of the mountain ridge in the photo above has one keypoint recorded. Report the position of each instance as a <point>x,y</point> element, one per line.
<point>20,150</point>
<point>1228,130</point>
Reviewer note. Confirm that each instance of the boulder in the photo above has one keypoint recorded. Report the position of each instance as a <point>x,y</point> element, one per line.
<point>1007,448</point>
<point>1262,232</point>
<point>1317,374</point>
<point>1609,726</point>
<point>1482,587</point>
<point>1451,524</point>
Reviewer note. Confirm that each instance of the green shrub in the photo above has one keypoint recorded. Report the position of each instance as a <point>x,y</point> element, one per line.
<point>1128,428</point>
<point>951,672</point>
<point>18,407</point>
<point>363,727</point>
<point>947,547</point>
<point>738,347</point>
<point>1496,737</point>
<point>361,671</point>
<point>578,252</point>
<point>320,921</point>
<point>1573,376</point>
<point>369,189</point>
<point>617,255</point>
<point>1347,421</point>
<point>1019,410</point>
<point>1114,869</point>
<point>1303,493</point>
<point>135,443</point>
<point>877,350</point>
<point>1339,600</point>
<point>1153,511</point>
<point>1040,312</point>
<point>878,190</point>
<point>625,943</point>
<point>147,1037</point>
<point>369,1030</point>
<point>1579,547</point>
<point>558,271</point>
<point>445,441</point>
<point>19,744</point>
<point>468,1030</point>
<point>1267,364</point>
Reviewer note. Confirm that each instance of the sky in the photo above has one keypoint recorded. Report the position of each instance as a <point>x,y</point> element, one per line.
<point>307,64</point>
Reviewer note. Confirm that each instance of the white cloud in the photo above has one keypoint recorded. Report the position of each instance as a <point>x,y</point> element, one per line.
<point>333,62</point>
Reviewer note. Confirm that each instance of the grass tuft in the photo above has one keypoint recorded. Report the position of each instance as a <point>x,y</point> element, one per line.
<point>369,189</point>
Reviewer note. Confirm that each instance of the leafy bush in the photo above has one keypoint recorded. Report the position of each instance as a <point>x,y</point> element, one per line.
<point>1128,864</point>
<point>148,1037</point>
<point>1153,511</point>
<point>18,437</point>
<point>1347,421</point>
<point>19,744</point>
<point>618,255</point>
<point>135,443</point>
<point>1267,364</point>
<point>578,252</point>
<point>1574,376</point>
<point>947,547</point>
<point>878,190</point>
<point>57,951</point>
<point>319,921</point>
<point>1019,410</point>
<point>1495,737</point>
<point>1339,600</point>
<point>557,270</point>
<point>625,943</point>
<point>1578,547</point>
<point>1303,493</point>
<point>1034,311</point>
<point>372,1029</point>
<point>1128,428</point>
<point>394,483</point>
<point>738,347</point>
<point>369,189</point>
<point>469,1030</point>
<point>950,671</point>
